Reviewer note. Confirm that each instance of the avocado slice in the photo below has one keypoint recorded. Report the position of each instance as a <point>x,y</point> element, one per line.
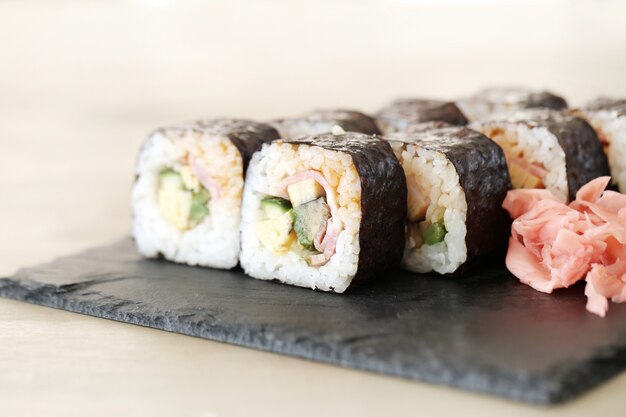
<point>304,191</point>
<point>274,207</point>
<point>199,209</point>
<point>174,201</point>
<point>180,206</point>
<point>432,233</point>
<point>277,233</point>
<point>168,178</point>
<point>203,196</point>
<point>310,220</point>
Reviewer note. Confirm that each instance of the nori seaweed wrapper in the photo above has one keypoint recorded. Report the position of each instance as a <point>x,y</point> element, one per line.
<point>322,121</point>
<point>484,177</point>
<point>521,98</point>
<point>426,126</point>
<point>383,198</point>
<point>403,115</point>
<point>608,104</point>
<point>585,159</point>
<point>246,135</point>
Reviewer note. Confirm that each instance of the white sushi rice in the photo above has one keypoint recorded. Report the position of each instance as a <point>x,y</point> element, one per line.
<point>267,169</point>
<point>475,109</point>
<point>215,241</point>
<point>478,108</point>
<point>536,145</point>
<point>494,101</point>
<point>437,176</point>
<point>296,128</point>
<point>612,127</point>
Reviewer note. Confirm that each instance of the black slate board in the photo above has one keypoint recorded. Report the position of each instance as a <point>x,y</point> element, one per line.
<point>486,333</point>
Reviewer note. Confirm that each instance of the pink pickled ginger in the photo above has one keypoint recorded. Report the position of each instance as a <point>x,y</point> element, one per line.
<point>554,245</point>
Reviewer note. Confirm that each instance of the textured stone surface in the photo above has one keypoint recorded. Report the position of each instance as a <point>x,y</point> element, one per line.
<point>485,333</point>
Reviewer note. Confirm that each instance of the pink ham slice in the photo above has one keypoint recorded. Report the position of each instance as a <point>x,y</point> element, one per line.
<point>325,242</point>
<point>554,245</point>
<point>205,179</point>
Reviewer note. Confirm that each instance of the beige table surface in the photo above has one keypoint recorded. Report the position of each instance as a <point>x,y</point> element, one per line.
<point>81,83</point>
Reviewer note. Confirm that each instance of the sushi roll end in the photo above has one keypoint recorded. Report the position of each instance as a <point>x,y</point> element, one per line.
<point>186,200</point>
<point>457,179</point>
<point>323,211</point>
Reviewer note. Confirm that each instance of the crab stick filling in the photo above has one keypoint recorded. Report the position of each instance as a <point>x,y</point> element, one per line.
<point>184,193</point>
<point>306,221</point>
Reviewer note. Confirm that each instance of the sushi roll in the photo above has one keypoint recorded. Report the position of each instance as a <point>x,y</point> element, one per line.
<point>323,121</point>
<point>608,117</point>
<point>402,115</point>
<point>500,100</point>
<point>457,179</point>
<point>323,211</point>
<point>547,149</point>
<point>186,201</point>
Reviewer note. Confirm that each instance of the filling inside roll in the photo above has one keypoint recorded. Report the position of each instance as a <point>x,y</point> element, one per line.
<point>186,201</point>
<point>533,154</point>
<point>611,131</point>
<point>437,210</point>
<point>305,222</point>
<point>183,201</point>
<point>301,216</point>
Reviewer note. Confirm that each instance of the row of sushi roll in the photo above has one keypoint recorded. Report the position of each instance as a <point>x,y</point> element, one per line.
<point>336,197</point>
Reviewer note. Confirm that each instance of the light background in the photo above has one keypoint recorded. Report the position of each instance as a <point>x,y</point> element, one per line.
<point>83,82</point>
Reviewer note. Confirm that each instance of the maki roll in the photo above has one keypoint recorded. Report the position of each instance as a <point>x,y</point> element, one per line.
<point>608,117</point>
<point>323,121</point>
<point>547,149</point>
<point>323,211</point>
<point>186,201</point>
<point>498,100</point>
<point>402,115</point>
<point>457,179</point>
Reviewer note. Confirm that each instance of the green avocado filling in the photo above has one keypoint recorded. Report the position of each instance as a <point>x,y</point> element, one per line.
<point>432,233</point>
<point>199,209</point>
<point>274,207</point>
<point>311,221</point>
<point>168,178</point>
<point>302,218</point>
<point>183,204</point>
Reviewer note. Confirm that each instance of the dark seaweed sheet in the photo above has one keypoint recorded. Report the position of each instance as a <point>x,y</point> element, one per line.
<point>383,199</point>
<point>546,100</point>
<point>484,177</point>
<point>322,121</point>
<point>584,155</point>
<point>403,115</point>
<point>609,104</point>
<point>426,126</point>
<point>521,98</point>
<point>585,159</point>
<point>246,135</point>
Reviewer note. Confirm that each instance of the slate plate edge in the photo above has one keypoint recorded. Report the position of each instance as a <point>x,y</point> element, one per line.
<point>561,388</point>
